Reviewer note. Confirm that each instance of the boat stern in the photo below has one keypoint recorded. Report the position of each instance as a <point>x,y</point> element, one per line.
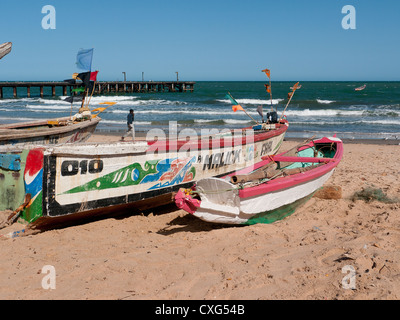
<point>21,188</point>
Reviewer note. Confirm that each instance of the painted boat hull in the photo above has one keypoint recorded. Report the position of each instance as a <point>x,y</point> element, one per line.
<point>84,180</point>
<point>40,133</point>
<point>268,202</point>
<point>5,49</point>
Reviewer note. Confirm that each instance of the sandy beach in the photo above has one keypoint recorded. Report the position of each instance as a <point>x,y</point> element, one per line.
<point>167,254</point>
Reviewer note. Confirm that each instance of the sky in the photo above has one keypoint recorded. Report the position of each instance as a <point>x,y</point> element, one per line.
<point>217,40</point>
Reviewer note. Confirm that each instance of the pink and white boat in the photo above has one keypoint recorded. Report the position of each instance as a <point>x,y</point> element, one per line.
<point>268,191</point>
<point>361,88</point>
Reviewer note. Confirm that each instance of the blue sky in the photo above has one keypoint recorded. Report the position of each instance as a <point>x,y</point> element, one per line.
<point>203,40</point>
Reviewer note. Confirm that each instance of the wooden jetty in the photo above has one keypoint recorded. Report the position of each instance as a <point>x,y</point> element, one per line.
<point>102,87</point>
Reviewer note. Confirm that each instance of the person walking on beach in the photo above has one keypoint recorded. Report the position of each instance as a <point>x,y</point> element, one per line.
<point>131,126</point>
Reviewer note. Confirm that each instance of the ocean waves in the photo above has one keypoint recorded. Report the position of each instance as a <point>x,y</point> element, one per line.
<point>319,106</point>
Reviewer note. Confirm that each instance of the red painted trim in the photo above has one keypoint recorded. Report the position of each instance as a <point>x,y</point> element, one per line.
<point>207,144</point>
<point>299,159</point>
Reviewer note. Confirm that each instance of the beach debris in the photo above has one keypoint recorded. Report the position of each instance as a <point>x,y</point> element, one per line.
<point>344,257</point>
<point>13,235</point>
<point>329,192</point>
<point>372,193</point>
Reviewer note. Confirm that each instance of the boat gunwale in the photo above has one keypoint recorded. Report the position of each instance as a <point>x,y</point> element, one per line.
<point>15,134</point>
<point>176,145</point>
<point>296,179</point>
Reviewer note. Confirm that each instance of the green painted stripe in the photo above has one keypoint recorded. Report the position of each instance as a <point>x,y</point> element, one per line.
<point>281,213</point>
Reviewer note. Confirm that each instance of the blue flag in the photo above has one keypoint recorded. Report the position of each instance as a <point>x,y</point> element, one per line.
<point>84,59</point>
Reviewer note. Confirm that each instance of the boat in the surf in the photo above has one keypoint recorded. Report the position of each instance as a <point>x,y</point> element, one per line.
<point>50,184</point>
<point>268,191</point>
<point>5,49</point>
<point>361,88</point>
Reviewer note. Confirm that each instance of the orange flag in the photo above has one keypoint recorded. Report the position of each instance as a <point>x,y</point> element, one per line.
<point>237,108</point>
<point>295,87</point>
<point>267,72</point>
<point>268,87</point>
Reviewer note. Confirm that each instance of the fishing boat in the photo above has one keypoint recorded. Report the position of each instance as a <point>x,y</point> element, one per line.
<point>361,88</point>
<point>268,191</point>
<point>43,132</point>
<point>5,49</point>
<point>47,185</point>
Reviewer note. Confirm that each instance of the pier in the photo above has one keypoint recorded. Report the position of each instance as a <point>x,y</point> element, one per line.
<point>102,87</point>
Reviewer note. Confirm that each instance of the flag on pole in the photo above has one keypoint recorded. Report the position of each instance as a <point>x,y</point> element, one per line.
<point>79,90</point>
<point>84,59</point>
<point>228,96</point>
<point>93,76</point>
<point>70,81</point>
<point>268,87</point>
<point>267,72</point>
<point>236,106</point>
<point>260,111</point>
<point>73,99</point>
<point>85,77</point>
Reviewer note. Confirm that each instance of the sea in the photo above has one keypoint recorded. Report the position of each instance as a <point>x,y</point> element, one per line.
<point>318,108</point>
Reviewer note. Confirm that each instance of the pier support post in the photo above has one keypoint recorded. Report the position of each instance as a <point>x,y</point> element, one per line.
<point>1,92</point>
<point>15,92</point>
<point>41,91</point>
<point>28,89</point>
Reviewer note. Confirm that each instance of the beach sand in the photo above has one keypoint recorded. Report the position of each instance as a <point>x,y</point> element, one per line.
<point>168,254</point>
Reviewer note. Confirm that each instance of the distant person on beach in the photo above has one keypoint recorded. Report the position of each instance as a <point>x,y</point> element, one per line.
<point>131,126</point>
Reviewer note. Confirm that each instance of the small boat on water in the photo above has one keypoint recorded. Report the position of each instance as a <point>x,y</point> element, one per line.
<point>361,88</point>
<point>5,49</point>
<point>43,132</point>
<point>268,191</point>
<point>47,185</point>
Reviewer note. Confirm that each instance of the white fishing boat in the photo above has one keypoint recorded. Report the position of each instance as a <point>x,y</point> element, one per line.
<point>267,191</point>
